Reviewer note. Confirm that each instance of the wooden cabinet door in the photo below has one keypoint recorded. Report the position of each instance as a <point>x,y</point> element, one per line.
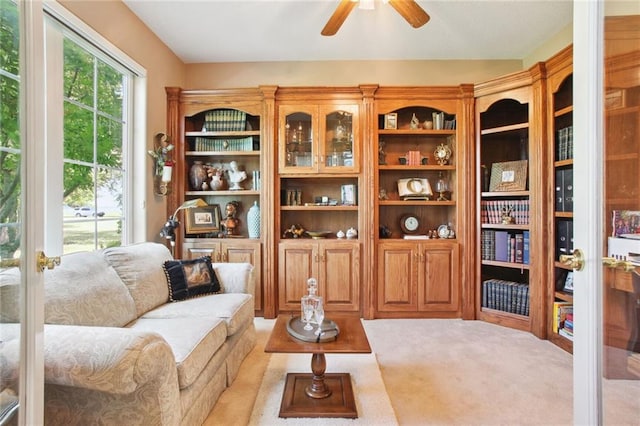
<point>196,250</point>
<point>249,252</point>
<point>297,262</point>
<point>339,268</point>
<point>439,283</point>
<point>397,277</point>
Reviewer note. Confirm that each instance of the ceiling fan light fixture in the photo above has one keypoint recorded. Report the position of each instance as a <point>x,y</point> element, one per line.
<point>367,5</point>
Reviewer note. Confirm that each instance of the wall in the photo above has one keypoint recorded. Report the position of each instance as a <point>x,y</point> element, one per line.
<point>346,73</point>
<point>163,69</point>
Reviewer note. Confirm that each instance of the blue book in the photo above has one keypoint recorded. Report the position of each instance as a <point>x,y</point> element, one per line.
<point>502,246</point>
<point>525,248</point>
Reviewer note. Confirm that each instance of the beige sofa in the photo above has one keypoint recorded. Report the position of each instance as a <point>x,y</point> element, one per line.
<point>118,352</point>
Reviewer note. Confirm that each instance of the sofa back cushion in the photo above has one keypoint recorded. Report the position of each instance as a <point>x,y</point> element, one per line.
<point>139,266</point>
<point>85,290</point>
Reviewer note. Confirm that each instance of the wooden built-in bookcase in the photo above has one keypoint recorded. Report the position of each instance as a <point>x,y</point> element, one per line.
<point>330,159</point>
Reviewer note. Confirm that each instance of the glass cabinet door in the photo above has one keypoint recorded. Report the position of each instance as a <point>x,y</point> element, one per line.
<point>296,138</point>
<point>338,138</point>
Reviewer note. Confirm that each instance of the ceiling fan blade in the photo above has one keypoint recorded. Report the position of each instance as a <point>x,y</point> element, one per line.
<point>411,12</point>
<point>337,19</point>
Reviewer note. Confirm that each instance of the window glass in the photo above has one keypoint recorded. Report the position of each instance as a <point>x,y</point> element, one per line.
<point>95,135</point>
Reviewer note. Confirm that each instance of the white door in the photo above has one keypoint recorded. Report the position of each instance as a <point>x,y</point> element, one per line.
<point>607,189</point>
<point>22,143</point>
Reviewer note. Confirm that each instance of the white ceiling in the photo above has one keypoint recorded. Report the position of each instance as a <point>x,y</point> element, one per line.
<point>203,31</point>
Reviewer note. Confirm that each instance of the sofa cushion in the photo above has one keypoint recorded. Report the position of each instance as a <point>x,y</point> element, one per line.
<point>85,290</point>
<point>193,342</point>
<point>190,278</point>
<point>139,266</point>
<point>236,309</point>
<point>10,295</point>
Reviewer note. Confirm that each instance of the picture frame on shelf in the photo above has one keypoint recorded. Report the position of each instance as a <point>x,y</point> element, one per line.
<point>391,121</point>
<point>202,220</point>
<point>348,195</point>
<point>508,176</point>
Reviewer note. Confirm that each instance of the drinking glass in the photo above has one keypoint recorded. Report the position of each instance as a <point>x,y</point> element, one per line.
<point>319,312</point>
<point>307,312</point>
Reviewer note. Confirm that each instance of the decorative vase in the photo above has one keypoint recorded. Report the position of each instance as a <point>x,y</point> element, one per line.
<point>253,221</point>
<point>197,175</point>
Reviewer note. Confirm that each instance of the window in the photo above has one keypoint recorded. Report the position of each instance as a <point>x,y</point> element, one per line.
<point>95,101</point>
<point>9,131</point>
<point>91,108</point>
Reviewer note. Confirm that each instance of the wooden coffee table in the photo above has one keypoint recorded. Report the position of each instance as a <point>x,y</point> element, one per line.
<point>318,394</point>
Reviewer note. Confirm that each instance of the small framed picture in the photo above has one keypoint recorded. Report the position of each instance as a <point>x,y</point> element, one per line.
<point>202,220</point>
<point>391,121</point>
<point>568,282</point>
<point>348,195</point>
<point>508,176</point>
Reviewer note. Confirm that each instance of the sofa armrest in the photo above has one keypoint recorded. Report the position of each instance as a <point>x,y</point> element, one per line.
<point>106,359</point>
<point>235,277</point>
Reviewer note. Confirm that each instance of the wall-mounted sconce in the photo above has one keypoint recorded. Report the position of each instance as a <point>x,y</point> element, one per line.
<point>163,165</point>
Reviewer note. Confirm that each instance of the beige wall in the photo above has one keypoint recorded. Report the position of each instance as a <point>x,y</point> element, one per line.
<point>345,73</point>
<point>114,21</point>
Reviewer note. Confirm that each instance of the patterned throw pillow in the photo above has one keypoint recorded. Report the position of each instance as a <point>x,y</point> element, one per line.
<point>190,278</point>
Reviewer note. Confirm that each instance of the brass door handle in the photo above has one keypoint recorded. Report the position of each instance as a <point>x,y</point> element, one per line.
<point>612,262</point>
<point>574,261</point>
<point>47,262</point>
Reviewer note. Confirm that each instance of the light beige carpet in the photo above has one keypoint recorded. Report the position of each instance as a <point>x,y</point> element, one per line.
<point>453,372</point>
<point>372,402</point>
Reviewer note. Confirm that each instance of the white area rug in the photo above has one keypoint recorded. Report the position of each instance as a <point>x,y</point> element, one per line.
<point>372,401</point>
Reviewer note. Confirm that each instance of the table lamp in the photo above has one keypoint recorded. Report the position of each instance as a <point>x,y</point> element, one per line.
<point>168,231</point>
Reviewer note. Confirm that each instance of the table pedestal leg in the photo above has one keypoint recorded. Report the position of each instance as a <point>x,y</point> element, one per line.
<point>318,388</point>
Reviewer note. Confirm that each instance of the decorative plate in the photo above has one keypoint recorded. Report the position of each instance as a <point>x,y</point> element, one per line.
<point>316,235</point>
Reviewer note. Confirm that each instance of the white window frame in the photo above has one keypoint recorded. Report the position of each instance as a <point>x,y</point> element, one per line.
<point>62,23</point>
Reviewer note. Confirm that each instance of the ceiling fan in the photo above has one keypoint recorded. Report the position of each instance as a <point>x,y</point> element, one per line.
<point>409,9</point>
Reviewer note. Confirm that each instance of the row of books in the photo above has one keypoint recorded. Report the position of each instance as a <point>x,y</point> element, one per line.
<point>225,120</point>
<point>565,143</point>
<point>491,211</point>
<point>226,144</point>
<point>567,330</point>
<point>506,296</point>
<point>505,246</point>
<point>561,310</point>
<point>564,190</point>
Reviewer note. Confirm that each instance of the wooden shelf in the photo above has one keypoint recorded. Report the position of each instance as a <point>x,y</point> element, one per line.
<point>523,226</point>
<point>503,194</point>
<point>319,208</point>
<point>416,132</point>
<point>563,111</point>
<point>563,163</point>
<point>221,153</point>
<point>566,215</point>
<point>400,167</point>
<point>222,193</point>
<point>502,129</point>
<point>415,203</point>
<point>564,296</point>
<point>223,134</point>
<point>505,264</point>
